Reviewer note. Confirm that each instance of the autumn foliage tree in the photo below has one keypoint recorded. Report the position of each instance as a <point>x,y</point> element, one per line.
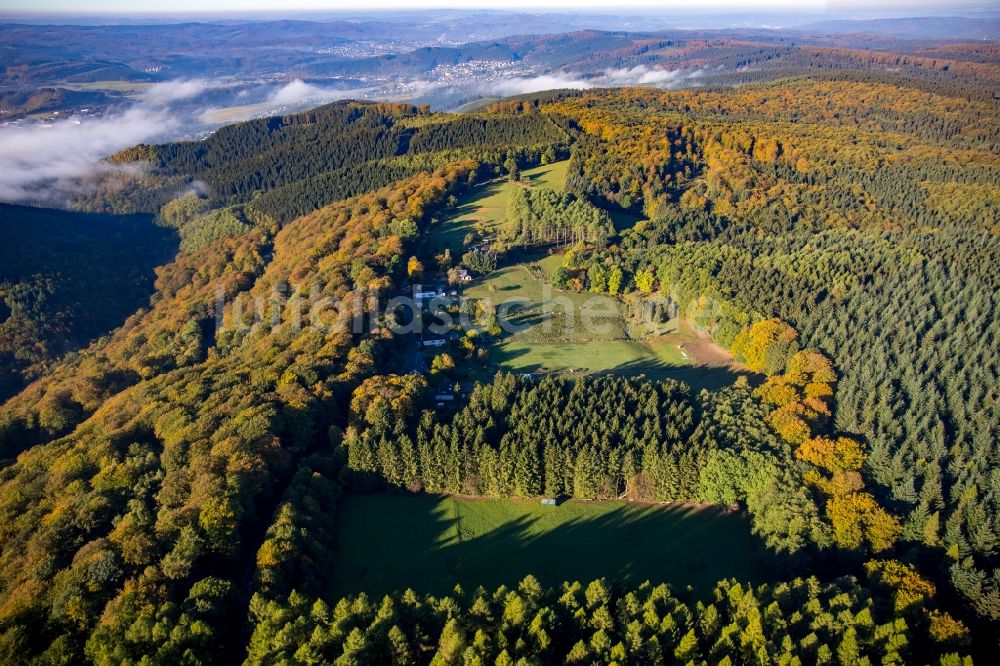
<point>414,268</point>
<point>385,400</point>
<point>835,456</point>
<point>858,520</point>
<point>800,395</point>
<point>766,346</point>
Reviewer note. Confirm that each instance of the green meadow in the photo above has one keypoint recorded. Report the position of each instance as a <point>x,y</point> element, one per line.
<point>554,330</point>
<point>430,543</point>
<point>595,338</point>
<point>485,207</point>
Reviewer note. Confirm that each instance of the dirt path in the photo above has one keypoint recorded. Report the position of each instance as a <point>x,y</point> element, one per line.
<point>704,351</point>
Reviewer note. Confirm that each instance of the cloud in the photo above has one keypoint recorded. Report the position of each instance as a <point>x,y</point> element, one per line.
<point>176,90</point>
<point>298,91</point>
<point>45,162</point>
<point>39,162</point>
<point>641,75</point>
<point>521,86</point>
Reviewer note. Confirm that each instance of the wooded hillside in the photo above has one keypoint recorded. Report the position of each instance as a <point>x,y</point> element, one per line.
<point>168,493</point>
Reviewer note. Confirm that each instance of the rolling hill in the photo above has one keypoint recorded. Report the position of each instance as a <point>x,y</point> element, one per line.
<point>172,490</point>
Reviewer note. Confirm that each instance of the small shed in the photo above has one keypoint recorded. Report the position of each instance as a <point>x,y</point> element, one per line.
<point>549,501</point>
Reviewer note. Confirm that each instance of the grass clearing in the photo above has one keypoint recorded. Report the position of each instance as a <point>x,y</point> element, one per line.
<point>595,338</point>
<point>481,211</point>
<point>555,330</point>
<point>540,313</point>
<point>620,357</point>
<point>525,357</point>
<point>548,175</point>
<point>430,543</point>
<point>484,209</point>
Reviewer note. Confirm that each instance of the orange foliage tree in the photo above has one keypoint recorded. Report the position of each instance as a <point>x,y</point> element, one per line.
<point>414,268</point>
<point>800,394</point>
<point>913,594</point>
<point>791,422</point>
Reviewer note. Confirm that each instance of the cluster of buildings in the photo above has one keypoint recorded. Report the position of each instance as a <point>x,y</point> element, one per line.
<point>476,71</point>
<point>365,49</point>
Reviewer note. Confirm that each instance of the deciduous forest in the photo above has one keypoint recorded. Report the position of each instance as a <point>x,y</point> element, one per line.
<point>170,472</point>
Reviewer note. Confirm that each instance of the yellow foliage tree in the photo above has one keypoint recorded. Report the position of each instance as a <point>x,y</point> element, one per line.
<point>382,399</point>
<point>834,455</point>
<point>752,344</point>
<point>839,484</point>
<point>818,390</point>
<point>946,629</point>
<point>777,391</point>
<point>644,281</point>
<point>857,518</point>
<point>801,394</point>
<point>766,150</point>
<point>820,407</point>
<point>442,363</point>
<point>791,422</point>
<point>908,586</point>
<point>810,366</point>
<point>414,268</point>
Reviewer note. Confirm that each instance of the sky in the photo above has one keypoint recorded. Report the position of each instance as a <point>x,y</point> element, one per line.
<point>242,6</point>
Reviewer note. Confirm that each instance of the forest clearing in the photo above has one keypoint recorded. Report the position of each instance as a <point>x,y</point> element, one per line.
<point>449,539</point>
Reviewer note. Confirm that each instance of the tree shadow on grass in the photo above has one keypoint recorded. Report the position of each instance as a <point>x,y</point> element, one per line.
<point>698,377</point>
<point>711,377</point>
<point>391,542</point>
<point>505,356</point>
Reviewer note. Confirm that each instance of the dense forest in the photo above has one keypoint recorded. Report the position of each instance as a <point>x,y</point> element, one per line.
<point>800,621</point>
<point>68,278</point>
<point>543,216</point>
<point>169,492</point>
<point>306,161</point>
<point>599,439</point>
<point>875,253</point>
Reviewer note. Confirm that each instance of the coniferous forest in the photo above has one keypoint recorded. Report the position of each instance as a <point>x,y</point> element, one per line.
<point>171,475</point>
